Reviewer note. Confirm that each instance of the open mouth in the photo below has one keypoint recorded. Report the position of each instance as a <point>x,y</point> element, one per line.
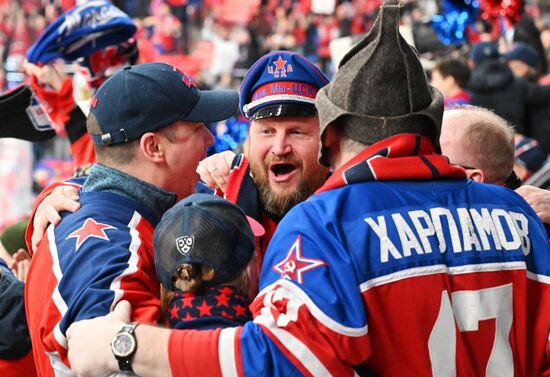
<point>282,172</point>
<point>282,169</point>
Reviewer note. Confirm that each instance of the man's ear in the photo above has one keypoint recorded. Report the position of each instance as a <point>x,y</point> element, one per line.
<point>476,174</point>
<point>331,147</point>
<point>331,137</point>
<point>150,145</point>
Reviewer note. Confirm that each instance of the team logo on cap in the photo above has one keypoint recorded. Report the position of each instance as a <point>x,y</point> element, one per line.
<point>281,68</point>
<point>186,80</point>
<point>185,244</point>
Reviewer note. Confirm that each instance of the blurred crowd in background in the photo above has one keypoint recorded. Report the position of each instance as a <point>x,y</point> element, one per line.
<point>199,32</point>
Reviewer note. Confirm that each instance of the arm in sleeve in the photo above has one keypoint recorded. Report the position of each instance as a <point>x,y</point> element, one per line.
<point>14,334</point>
<point>88,283</point>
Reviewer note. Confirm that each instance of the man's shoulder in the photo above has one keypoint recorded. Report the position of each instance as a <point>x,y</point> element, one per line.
<point>449,186</point>
<point>380,192</point>
<point>98,212</point>
<point>382,196</point>
<point>100,220</point>
<point>498,195</point>
<point>105,205</point>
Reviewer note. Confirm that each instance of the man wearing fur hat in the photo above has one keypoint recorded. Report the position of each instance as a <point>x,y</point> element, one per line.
<point>398,265</point>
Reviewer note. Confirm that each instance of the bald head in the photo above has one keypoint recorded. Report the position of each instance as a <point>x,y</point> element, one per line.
<point>479,140</point>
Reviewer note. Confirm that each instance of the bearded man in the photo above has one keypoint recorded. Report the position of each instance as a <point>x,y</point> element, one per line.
<point>279,168</point>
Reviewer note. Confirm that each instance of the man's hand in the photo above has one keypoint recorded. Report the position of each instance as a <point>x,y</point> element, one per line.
<point>51,74</point>
<point>538,199</point>
<point>20,264</point>
<point>214,170</point>
<point>62,198</point>
<point>89,342</point>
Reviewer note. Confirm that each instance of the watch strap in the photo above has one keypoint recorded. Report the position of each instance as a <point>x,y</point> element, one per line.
<point>129,327</point>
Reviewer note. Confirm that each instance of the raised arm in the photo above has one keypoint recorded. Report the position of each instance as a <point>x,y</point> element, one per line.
<point>214,170</point>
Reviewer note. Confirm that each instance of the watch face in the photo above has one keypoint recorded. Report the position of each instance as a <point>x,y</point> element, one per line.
<point>124,344</point>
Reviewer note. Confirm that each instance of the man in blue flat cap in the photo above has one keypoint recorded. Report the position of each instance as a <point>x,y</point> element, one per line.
<point>279,168</point>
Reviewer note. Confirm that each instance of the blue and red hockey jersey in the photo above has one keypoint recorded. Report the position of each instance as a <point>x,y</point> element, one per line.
<point>393,278</point>
<point>94,258</point>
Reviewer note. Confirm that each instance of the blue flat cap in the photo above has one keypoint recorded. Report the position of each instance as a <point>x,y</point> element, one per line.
<point>281,83</point>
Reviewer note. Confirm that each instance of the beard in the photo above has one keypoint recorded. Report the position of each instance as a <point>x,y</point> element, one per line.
<point>279,203</point>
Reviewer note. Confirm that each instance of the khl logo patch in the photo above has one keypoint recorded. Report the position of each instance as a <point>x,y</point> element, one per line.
<point>185,244</point>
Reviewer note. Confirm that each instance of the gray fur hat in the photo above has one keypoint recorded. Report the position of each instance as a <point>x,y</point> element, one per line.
<point>380,88</point>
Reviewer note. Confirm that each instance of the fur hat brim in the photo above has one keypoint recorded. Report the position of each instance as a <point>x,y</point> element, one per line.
<point>380,89</point>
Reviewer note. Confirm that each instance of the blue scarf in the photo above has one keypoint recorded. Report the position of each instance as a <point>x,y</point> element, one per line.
<point>81,31</point>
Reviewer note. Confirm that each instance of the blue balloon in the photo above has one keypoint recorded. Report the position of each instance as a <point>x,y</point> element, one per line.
<point>450,27</point>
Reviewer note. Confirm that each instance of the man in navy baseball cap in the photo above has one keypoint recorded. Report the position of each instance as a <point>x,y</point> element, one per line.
<point>147,124</point>
<point>151,96</point>
<point>277,95</point>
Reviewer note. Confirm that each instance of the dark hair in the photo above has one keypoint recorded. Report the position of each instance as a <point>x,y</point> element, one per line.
<point>122,153</point>
<point>111,155</point>
<point>456,68</point>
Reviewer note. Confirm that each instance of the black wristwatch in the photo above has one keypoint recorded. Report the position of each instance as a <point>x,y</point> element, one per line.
<point>124,346</point>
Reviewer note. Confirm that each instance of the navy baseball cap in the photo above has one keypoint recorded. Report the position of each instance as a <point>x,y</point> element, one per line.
<point>281,83</point>
<point>147,97</point>
<point>207,230</point>
<point>524,53</point>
